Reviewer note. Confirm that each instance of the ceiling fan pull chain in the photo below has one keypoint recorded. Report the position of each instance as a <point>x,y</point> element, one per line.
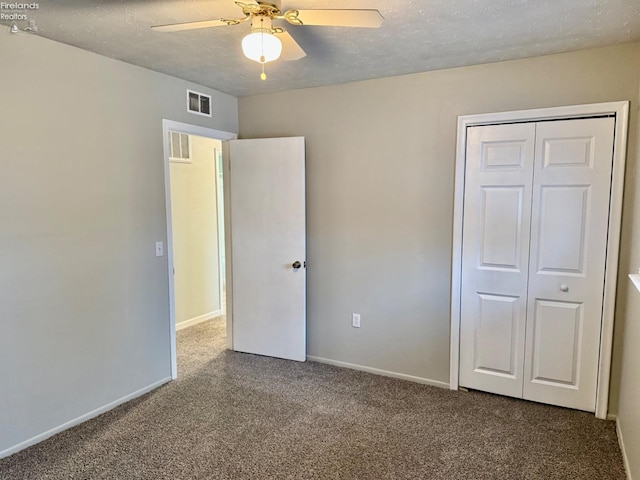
<point>262,60</point>
<point>263,76</point>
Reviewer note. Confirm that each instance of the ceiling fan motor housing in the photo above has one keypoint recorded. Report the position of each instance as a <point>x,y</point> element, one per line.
<point>267,9</point>
<point>261,24</point>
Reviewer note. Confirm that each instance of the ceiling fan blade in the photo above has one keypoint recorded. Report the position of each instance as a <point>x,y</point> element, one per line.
<point>245,3</point>
<point>335,18</point>
<point>290,48</point>
<point>178,27</point>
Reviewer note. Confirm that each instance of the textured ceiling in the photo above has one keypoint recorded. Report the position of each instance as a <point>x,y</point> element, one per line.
<point>416,36</point>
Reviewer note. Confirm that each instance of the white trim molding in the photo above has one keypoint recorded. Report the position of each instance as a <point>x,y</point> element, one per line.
<point>199,319</point>
<point>170,125</point>
<point>620,110</point>
<point>377,371</point>
<point>625,458</point>
<point>82,418</point>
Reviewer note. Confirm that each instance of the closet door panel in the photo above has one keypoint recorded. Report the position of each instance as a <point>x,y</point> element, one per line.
<point>569,223</point>
<point>557,331</point>
<point>495,258</point>
<point>562,215</point>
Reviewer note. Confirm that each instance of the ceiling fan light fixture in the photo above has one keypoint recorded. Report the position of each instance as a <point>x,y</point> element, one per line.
<point>261,47</point>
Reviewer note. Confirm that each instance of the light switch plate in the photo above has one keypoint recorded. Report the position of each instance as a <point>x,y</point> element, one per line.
<point>159,249</point>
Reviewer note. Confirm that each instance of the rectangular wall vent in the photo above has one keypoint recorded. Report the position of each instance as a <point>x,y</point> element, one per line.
<point>180,147</point>
<point>198,103</point>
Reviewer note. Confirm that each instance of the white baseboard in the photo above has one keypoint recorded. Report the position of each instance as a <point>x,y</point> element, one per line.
<point>625,459</point>
<point>195,320</point>
<point>82,418</point>
<point>377,371</point>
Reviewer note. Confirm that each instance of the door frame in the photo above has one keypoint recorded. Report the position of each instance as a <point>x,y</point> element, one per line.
<point>620,111</point>
<point>222,258</point>
<point>170,125</point>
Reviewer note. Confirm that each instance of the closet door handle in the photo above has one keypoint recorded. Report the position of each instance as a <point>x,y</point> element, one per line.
<point>564,288</point>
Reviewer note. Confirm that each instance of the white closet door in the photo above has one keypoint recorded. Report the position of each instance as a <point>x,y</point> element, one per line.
<point>495,256</point>
<point>571,186</point>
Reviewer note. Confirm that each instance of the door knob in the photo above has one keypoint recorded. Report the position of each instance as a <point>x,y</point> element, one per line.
<point>564,288</point>
<point>296,265</point>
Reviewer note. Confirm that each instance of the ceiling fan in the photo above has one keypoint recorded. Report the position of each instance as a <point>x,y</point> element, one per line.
<point>266,42</point>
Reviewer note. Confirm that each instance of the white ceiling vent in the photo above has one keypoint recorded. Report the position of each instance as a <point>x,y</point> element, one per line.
<point>180,147</point>
<point>198,103</point>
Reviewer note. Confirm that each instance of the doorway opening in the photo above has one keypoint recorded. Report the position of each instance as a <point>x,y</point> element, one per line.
<point>198,245</point>
<point>194,190</point>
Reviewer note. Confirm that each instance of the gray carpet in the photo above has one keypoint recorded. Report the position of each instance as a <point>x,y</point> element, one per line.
<point>238,416</point>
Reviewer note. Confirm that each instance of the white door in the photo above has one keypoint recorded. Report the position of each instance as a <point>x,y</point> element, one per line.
<point>534,248</point>
<point>267,223</point>
<point>570,220</point>
<point>495,257</point>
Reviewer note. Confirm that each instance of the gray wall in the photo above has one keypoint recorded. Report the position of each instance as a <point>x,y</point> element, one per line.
<point>380,166</point>
<point>194,216</point>
<point>84,309</point>
<point>629,410</point>
<point>628,319</point>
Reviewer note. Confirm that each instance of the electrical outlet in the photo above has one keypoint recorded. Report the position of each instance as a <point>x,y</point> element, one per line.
<point>355,320</point>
